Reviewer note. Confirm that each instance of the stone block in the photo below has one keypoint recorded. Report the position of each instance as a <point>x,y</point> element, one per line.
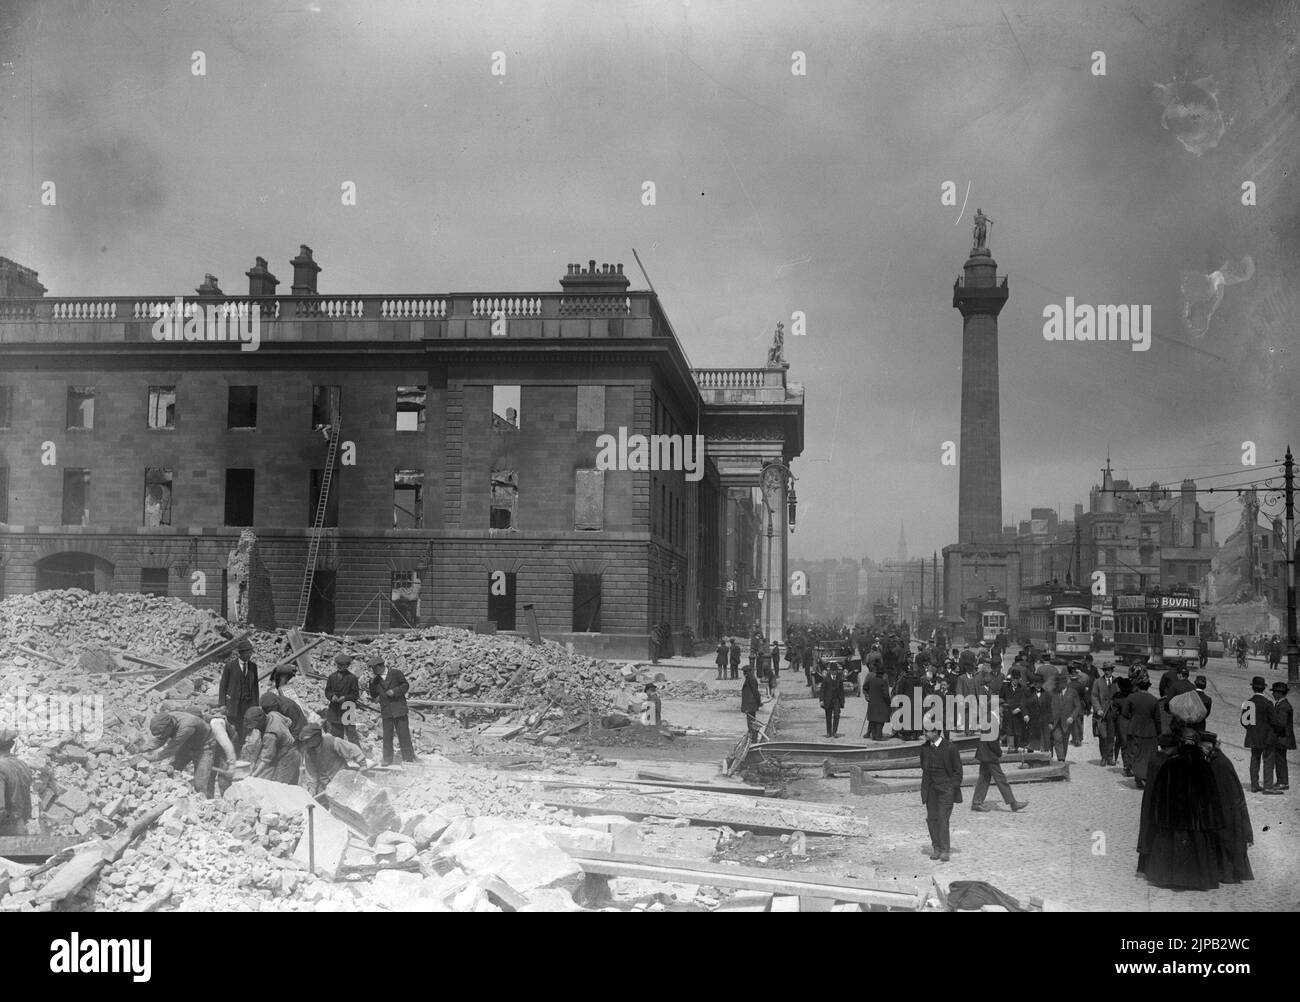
<point>579,840</point>
<point>362,803</point>
<point>265,795</point>
<point>526,860</point>
<point>331,837</point>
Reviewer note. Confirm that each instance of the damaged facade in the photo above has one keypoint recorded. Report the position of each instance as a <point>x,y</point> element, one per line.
<point>465,485</point>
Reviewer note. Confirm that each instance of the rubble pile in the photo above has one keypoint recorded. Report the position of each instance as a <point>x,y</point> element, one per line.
<point>691,689</point>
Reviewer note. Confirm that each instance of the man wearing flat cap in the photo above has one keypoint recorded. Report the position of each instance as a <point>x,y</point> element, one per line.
<point>343,691</point>
<point>15,787</point>
<point>239,690</point>
<point>186,739</point>
<point>388,687</point>
<point>1284,731</point>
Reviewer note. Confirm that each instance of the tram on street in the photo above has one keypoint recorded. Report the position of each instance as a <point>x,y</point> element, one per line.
<point>1103,622</point>
<point>993,615</point>
<point>1157,623</point>
<point>1056,618</point>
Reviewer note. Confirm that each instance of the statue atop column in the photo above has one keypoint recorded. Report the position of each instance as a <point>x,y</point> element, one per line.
<point>776,353</point>
<point>982,224</point>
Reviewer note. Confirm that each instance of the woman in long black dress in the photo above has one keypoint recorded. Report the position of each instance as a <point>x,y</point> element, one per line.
<point>1237,836</point>
<point>1186,818</point>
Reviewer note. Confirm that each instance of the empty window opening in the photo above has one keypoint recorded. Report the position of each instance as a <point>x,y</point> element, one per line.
<point>241,407</point>
<point>157,496</point>
<point>76,497</point>
<point>501,599</point>
<point>4,494</point>
<point>239,497</point>
<point>410,408</point>
<point>162,407</point>
<point>331,514</point>
<point>505,408</point>
<point>153,581</point>
<point>408,499</point>
<point>326,406</point>
<point>404,610</point>
<point>586,603</point>
<point>505,499</point>
<point>81,407</point>
<point>320,602</point>
<point>589,499</point>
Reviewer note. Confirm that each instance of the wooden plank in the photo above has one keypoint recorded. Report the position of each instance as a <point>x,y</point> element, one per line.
<point>35,848</point>
<point>461,704</point>
<point>300,649</point>
<point>768,822</point>
<point>37,654</point>
<point>157,664</point>
<point>204,659</point>
<point>1046,774</point>
<point>265,673</point>
<point>783,882</point>
<point>830,769</point>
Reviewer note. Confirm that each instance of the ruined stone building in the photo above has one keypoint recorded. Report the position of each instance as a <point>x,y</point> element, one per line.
<point>460,435</point>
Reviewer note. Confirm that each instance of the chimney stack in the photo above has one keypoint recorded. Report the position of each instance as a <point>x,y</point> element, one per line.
<point>605,280</point>
<point>209,289</point>
<point>304,273</point>
<point>260,281</point>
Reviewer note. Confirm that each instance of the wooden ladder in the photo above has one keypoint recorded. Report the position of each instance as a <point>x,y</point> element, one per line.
<point>322,503</point>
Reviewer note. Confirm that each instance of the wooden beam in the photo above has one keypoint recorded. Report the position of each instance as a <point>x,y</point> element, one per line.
<point>770,820</point>
<point>460,704</point>
<point>1046,774</point>
<point>203,659</point>
<point>157,664</point>
<point>782,883</point>
<point>37,654</point>
<point>35,848</point>
<point>291,659</point>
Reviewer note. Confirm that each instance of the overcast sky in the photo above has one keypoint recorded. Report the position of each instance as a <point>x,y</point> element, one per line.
<point>775,193</point>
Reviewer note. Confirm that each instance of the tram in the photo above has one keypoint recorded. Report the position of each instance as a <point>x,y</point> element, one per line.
<point>1157,623</point>
<point>993,615</point>
<point>1103,622</point>
<point>1056,618</point>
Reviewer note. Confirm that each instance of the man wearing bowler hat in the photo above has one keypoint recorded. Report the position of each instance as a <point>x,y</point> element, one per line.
<point>1257,719</point>
<point>1284,731</point>
<point>388,687</point>
<point>238,691</point>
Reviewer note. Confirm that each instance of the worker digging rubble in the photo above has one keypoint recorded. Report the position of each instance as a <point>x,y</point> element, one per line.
<point>223,750</point>
<point>323,755</point>
<point>287,708</point>
<point>238,691</point>
<point>277,751</point>
<point>15,787</point>
<point>388,687</point>
<point>343,690</point>
<point>186,739</point>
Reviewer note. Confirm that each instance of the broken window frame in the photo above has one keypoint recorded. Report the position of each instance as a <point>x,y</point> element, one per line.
<point>86,393</point>
<point>583,597</point>
<point>69,475</point>
<point>249,404</point>
<point>226,497</point>
<point>157,396</point>
<point>162,477</point>
<point>417,404</point>
<point>500,421</point>
<point>326,402</point>
<point>503,497</point>
<point>400,613</point>
<point>415,489</point>
<point>507,605</point>
<point>153,587</point>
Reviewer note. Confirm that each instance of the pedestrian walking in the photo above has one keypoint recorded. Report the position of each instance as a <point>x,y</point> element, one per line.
<point>832,698</point>
<point>1104,712</point>
<point>1186,818</point>
<point>1284,732</point>
<point>720,659</point>
<point>941,776</point>
<point>878,702</point>
<point>750,702</point>
<point>1257,719</point>
<point>1237,835</point>
<point>987,754</point>
<point>733,654</point>
<point>1142,716</point>
<point>1081,683</point>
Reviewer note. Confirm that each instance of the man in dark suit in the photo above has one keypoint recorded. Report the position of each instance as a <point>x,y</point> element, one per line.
<point>733,654</point>
<point>750,701</point>
<point>1257,719</point>
<point>238,691</point>
<point>833,697</point>
<point>1284,732</point>
<point>1065,709</point>
<point>941,777</point>
<point>1142,719</point>
<point>1104,712</point>
<point>987,753</point>
<point>878,703</point>
<point>388,687</point>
